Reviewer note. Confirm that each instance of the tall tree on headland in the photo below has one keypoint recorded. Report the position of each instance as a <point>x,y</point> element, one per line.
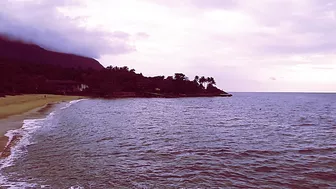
<point>180,77</point>
<point>202,80</point>
<point>196,79</point>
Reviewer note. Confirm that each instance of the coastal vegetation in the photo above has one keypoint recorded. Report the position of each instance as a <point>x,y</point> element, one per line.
<point>30,69</point>
<point>21,78</point>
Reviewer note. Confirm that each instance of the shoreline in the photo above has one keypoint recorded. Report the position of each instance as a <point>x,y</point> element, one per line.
<point>24,107</point>
<point>116,95</point>
<point>15,109</point>
<point>16,122</point>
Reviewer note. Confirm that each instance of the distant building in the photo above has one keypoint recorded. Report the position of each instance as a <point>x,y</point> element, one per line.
<point>66,86</point>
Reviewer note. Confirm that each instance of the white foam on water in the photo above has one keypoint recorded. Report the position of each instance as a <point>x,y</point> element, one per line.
<point>76,187</point>
<point>71,103</point>
<point>29,127</point>
<point>20,149</point>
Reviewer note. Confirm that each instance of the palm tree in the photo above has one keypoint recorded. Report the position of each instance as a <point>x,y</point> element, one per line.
<point>180,77</point>
<point>208,79</point>
<point>196,79</point>
<point>202,80</point>
<point>212,81</point>
<point>125,68</point>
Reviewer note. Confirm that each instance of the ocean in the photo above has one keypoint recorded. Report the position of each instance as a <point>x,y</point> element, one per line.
<point>251,140</point>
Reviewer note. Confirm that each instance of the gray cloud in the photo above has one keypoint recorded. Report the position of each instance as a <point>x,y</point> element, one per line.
<point>214,4</point>
<point>40,23</point>
<point>300,29</point>
<point>322,68</point>
<point>120,34</point>
<point>199,4</point>
<point>142,35</point>
<point>318,47</point>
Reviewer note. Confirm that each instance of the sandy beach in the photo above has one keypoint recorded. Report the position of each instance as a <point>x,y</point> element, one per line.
<point>15,109</point>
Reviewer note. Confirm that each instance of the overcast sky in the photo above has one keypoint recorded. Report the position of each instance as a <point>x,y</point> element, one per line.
<point>247,45</point>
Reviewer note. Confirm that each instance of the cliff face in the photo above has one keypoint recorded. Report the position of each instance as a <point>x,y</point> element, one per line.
<point>16,51</point>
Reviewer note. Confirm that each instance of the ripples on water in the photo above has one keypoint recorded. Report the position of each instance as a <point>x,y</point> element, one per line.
<point>251,140</point>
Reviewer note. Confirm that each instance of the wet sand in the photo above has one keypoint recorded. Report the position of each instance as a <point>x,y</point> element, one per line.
<point>13,105</point>
<point>15,109</point>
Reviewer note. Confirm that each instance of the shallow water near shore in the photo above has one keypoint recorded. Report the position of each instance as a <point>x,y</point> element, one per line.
<point>252,140</point>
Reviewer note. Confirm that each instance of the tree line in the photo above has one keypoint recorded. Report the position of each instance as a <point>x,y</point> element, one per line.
<point>23,78</point>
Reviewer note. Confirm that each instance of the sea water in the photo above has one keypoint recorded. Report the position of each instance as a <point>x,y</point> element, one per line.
<point>251,140</point>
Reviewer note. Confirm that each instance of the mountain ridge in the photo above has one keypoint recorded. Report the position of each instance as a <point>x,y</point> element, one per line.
<point>15,50</point>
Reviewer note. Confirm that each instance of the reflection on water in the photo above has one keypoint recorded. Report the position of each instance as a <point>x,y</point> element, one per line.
<point>248,141</point>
